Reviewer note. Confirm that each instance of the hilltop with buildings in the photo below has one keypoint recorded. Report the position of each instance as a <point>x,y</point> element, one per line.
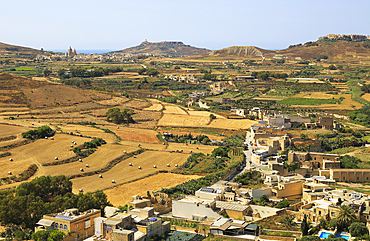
<point>167,48</point>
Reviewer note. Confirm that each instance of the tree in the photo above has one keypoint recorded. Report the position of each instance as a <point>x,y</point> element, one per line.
<point>333,224</point>
<point>152,72</point>
<point>345,217</point>
<point>283,204</point>
<point>305,226</point>
<point>212,116</point>
<point>117,116</point>
<point>264,199</point>
<point>220,151</point>
<point>48,235</point>
<point>332,67</point>
<point>47,72</point>
<point>323,223</point>
<point>357,229</point>
<point>61,72</point>
<point>288,221</point>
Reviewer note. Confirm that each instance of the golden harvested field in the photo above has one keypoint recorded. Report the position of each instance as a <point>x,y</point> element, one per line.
<point>316,95</point>
<point>122,172</point>
<point>89,131</point>
<point>113,101</point>
<point>366,96</point>
<point>96,161</point>
<point>136,104</point>
<point>134,134</point>
<point>121,195</point>
<point>172,109</point>
<point>205,113</point>
<point>38,152</point>
<point>155,107</point>
<point>232,124</point>
<point>11,130</point>
<point>183,120</point>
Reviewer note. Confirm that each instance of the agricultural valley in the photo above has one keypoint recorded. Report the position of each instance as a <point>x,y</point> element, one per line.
<point>169,119</point>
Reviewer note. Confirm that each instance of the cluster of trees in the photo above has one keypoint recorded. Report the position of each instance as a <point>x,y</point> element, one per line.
<point>89,146</point>
<point>41,132</point>
<point>77,82</point>
<point>340,141</point>
<point>26,204</point>
<point>83,73</point>
<point>148,71</point>
<point>349,162</point>
<point>362,115</point>
<point>117,116</point>
<point>249,178</point>
<point>365,88</point>
<point>189,138</point>
<point>265,75</point>
<point>16,232</point>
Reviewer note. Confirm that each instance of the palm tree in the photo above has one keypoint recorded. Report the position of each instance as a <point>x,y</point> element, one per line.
<point>345,217</point>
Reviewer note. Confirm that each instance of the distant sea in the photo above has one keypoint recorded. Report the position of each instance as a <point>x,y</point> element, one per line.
<point>84,51</point>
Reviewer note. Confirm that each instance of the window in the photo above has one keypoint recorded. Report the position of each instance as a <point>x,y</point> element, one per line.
<point>319,212</point>
<point>344,178</point>
<point>358,178</point>
<point>61,226</point>
<point>65,227</point>
<point>87,223</point>
<point>56,226</point>
<point>367,179</point>
<point>333,214</point>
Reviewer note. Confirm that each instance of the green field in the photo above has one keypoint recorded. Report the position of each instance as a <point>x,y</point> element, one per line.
<point>307,101</point>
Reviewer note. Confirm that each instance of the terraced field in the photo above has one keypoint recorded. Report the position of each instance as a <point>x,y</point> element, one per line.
<point>122,172</point>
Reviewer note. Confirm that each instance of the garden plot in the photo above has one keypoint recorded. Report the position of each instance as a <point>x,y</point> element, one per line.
<point>173,109</point>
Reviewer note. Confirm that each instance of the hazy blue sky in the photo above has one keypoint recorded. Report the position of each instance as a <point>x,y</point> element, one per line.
<point>213,24</point>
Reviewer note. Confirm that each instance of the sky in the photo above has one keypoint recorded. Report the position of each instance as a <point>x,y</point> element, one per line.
<point>211,24</point>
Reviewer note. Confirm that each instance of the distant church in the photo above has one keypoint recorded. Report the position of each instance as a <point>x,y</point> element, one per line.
<point>71,53</point>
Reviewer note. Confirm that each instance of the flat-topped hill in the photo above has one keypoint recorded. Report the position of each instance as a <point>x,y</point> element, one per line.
<point>171,48</point>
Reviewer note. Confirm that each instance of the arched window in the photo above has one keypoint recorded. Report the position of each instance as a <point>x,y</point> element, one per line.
<point>65,227</point>
<point>56,226</point>
<point>61,226</point>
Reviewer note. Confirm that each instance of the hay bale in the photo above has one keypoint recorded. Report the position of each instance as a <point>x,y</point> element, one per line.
<point>11,159</point>
<point>139,167</point>
<point>100,176</point>
<point>87,165</point>
<point>155,166</point>
<point>113,181</point>
<point>176,165</point>
<point>81,169</point>
<point>80,160</point>
<point>130,164</point>
<point>80,190</point>
<point>168,165</point>
<point>56,158</point>
<point>10,173</point>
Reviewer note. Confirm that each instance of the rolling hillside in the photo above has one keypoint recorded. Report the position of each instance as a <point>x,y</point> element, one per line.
<point>13,48</point>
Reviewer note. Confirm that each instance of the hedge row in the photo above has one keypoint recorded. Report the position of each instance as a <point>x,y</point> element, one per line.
<point>31,170</point>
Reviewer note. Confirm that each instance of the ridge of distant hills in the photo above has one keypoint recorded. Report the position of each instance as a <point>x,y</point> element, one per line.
<point>171,48</point>
<point>337,47</point>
